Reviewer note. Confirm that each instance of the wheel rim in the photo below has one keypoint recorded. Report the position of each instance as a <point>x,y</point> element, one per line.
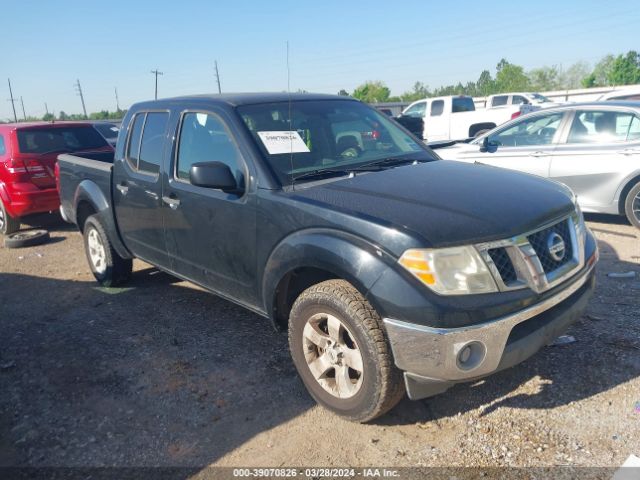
<point>635,206</point>
<point>96,251</point>
<point>332,355</point>
<point>1,219</point>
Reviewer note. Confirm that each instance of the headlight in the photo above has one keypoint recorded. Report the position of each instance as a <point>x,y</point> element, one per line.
<point>450,271</point>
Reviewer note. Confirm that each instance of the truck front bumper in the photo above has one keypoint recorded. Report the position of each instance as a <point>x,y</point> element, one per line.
<point>434,359</point>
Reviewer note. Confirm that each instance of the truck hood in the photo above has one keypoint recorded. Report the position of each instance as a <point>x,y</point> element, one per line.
<point>446,203</point>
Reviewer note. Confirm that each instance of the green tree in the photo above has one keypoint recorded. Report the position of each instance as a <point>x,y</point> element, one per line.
<point>343,93</point>
<point>544,78</point>
<point>372,92</point>
<point>63,116</point>
<point>510,77</point>
<point>599,77</point>
<point>625,69</point>
<point>48,117</point>
<point>419,91</point>
<point>572,77</point>
<point>485,85</point>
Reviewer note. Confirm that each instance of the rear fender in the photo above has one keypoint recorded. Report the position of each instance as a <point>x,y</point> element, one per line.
<point>88,192</point>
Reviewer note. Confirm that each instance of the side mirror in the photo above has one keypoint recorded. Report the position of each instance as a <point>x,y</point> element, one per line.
<point>487,145</point>
<point>213,175</point>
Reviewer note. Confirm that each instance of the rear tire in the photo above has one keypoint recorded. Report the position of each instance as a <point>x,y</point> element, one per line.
<point>341,352</point>
<point>109,268</point>
<point>632,205</point>
<point>8,224</point>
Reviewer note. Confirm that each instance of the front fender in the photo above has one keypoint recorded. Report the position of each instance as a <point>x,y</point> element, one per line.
<point>345,255</point>
<point>88,191</point>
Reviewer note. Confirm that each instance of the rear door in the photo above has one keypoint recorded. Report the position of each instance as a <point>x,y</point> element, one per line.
<point>526,146</point>
<point>138,187</point>
<point>211,234</point>
<point>600,149</point>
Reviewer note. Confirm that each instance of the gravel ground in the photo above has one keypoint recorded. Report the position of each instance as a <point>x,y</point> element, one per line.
<point>163,373</point>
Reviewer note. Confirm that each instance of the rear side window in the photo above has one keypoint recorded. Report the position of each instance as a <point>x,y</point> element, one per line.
<point>3,150</point>
<point>59,139</point>
<point>146,141</point>
<point>499,100</point>
<point>437,107</point>
<point>152,142</point>
<point>463,104</point>
<point>518,99</point>
<point>600,126</point>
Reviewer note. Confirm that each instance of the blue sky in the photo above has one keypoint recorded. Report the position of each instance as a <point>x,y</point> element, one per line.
<point>333,45</point>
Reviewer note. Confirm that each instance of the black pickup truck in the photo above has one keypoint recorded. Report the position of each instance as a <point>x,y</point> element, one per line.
<point>391,269</point>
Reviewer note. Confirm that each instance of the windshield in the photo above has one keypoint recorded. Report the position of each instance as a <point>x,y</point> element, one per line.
<point>108,130</point>
<point>54,139</point>
<point>540,98</point>
<point>333,135</point>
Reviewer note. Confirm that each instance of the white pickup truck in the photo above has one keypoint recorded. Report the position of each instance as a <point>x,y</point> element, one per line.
<point>456,118</point>
<point>519,98</point>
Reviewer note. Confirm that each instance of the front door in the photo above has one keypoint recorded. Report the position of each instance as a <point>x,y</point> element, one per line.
<point>211,235</point>
<point>137,185</point>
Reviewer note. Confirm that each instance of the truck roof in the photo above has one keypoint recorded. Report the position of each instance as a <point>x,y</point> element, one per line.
<point>236,99</point>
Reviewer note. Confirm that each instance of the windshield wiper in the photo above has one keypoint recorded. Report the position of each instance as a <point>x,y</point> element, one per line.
<point>321,173</point>
<point>386,162</point>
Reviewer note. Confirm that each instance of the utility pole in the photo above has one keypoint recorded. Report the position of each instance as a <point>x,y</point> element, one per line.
<point>156,72</point>
<point>24,115</point>
<point>79,88</point>
<point>218,77</point>
<point>117,101</point>
<point>13,105</point>
<point>46,108</point>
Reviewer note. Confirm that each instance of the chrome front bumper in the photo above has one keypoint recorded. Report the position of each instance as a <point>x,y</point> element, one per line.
<point>434,359</point>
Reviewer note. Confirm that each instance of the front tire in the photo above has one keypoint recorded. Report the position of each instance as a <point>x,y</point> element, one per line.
<point>632,205</point>
<point>341,352</point>
<point>8,224</point>
<point>109,268</point>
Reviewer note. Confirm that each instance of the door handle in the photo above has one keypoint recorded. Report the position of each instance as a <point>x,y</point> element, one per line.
<point>629,151</point>
<point>124,189</point>
<point>538,154</point>
<point>173,203</point>
<point>153,195</point>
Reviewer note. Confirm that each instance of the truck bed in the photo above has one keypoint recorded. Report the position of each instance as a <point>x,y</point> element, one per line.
<point>91,170</point>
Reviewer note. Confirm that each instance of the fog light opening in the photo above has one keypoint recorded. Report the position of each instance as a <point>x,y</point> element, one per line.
<point>471,355</point>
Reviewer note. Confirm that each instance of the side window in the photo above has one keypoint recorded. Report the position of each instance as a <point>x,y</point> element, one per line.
<point>3,149</point>
<point>518,100</point>
<point>416,110</point>
<point>204,138</point>
<point>537,130</point>
<point>437,107</point>
<point>152,142</point>
<point>499,100</point>
<point>634,130</point>
<point>133,148</point>
<point>591,126</point>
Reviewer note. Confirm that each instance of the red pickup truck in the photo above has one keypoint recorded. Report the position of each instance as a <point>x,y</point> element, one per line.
<point>28,153</point>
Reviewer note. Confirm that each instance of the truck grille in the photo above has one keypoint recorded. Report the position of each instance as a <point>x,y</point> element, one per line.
<point>539,241</point>
<point>504,265</point>
<point>537,259</point>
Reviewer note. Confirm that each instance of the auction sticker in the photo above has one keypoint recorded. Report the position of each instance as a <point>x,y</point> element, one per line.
<point>283,142</point>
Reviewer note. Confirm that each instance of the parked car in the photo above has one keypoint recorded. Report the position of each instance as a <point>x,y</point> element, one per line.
<point>327,217</point>
<point>628,93</point>
<point>28,154</point>
<point>456,118</point>
<point>594,148</point>
<point>519,98</point>
<point>108,130</point>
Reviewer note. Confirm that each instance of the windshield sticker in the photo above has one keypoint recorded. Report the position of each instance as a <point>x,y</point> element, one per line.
<point>283,142</point>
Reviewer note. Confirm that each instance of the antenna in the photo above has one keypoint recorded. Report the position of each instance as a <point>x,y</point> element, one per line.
<point>218,77</point>
<point>15,117</point>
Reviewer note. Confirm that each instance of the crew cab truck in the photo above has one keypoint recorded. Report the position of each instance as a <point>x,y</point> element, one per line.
<point>391,269</point>
<point>456,118</point>
<point>28,153</point>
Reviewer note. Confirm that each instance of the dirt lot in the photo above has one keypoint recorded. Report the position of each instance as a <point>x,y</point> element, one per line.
<point>162,373</point>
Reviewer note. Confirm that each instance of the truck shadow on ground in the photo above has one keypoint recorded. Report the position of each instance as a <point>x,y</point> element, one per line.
<point>158,373</point>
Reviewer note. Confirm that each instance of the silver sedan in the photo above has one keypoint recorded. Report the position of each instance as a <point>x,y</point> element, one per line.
<point>594,148</point>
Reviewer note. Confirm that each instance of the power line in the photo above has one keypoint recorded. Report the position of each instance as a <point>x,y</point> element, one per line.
<point>156,72</point>
<point>218,77</point>
<point>24,115</point>
<point>13,105</point>
<point>79,88</point>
